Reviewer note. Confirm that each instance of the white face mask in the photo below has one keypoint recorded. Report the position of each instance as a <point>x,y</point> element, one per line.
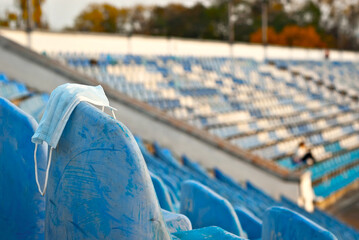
<point>62,102</point>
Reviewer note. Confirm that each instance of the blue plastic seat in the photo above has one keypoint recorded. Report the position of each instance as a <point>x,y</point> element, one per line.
<point>22,208</point>
<point>13,90</point>
<point>35,105</point>
<point>164,154</point>
<point>99,186</point>
<point>207,233</point>
<point>3,78</point>
<point>162,193</point>
<point>282,223</point>
<point>250,223</point>
<point>194,166</point>
<point>176,222</point>
<point>226,179</point>
<point>206,208</point>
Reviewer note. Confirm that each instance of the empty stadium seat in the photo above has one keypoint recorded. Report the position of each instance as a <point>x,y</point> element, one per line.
<point>162,193</point>
<point>194,166</point>
<point>176,222</point>
<point>206,208</point>
<point>250,223</point>
<point>207,233</point>
<point>22,208</point>
<point>282,223</point>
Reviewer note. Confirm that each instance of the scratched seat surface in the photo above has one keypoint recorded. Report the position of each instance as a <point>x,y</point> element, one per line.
<point>99,186</point>
<point>22,208</point>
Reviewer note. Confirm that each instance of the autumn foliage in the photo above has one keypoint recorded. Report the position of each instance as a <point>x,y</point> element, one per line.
<point>36,11</point>
<point>306,25</point>
<point>291,35</point>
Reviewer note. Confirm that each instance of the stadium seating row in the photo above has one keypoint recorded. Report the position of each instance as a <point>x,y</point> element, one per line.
<point>265,108</point>
<point>100,187</point>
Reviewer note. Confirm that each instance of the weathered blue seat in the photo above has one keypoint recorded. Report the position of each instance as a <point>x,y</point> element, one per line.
<point>99,186</point>
<point>170,184</point>
<point>250,223</point>
<point>176,222</point>
<point>3,78</point>
<point>13,90</point>
<point>224,178</point>
<point>162,193</point>
<point>282,223</point>
<point>22,208</point>
<point>165,154</point>
<point>194,166</point>
<point>171,187</point>
<point>207,233</point>
<point>206,208</point>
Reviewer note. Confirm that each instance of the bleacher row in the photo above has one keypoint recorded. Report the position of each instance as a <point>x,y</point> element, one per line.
<point>265,108</point>
<point>340,75</point>
<point>93,196</point>
<point>28,101</point>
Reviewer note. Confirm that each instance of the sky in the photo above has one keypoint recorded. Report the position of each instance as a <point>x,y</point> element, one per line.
<point>61,13</point>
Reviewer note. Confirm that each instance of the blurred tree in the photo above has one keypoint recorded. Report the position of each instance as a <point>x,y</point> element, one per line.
<point>195,22</point>
<point>309,14</point>
<point>272,36</point>
<point>36,12</point>
<point>138,19</point>
<point>336,26</point>
<point>91,20</point>
<point>342,22</point>
<point>216,22</point>
<point>102,18</point>
<point>293,36</point>
<point>10,17</point>
<point>277,17</point>
<point>157,23</point>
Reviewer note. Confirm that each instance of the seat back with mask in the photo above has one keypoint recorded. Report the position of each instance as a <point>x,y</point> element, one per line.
<point>22,208</point>
<point>99,186</point>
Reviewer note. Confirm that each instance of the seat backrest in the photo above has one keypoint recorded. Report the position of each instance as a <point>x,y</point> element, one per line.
<point>162,193</point>
<point>22,208</point>
<point>206,233</point>
<point>165,154</point>
<point>206,208</point>
<point>250,223</point>
<point>176,222</point>
<point>226,179</point>
<point>99,186</point>
<point>194,166</point>
<point>282,223</point>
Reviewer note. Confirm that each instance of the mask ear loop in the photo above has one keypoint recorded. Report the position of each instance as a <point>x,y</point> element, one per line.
<point>113,112</point>
<point>42,192</point>
<point>47,171</point>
